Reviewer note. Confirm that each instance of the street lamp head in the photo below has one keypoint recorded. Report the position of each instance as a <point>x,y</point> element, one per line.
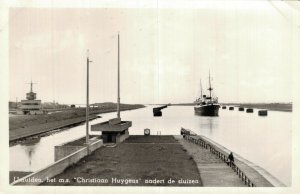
<point>87,53</point>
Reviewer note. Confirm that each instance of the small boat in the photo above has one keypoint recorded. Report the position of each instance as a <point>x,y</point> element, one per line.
<point>207,105</point>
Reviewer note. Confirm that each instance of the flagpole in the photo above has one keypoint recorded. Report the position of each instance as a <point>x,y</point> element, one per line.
<point>118,105</point>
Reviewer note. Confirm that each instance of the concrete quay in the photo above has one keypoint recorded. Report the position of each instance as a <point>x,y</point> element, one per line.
<point>250,174</point>
<point>213,171</point>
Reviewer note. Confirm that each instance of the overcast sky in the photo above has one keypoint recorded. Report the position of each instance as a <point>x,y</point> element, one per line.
<point>249,48</point>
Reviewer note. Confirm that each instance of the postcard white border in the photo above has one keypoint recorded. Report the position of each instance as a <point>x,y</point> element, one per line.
<point>4,143</point>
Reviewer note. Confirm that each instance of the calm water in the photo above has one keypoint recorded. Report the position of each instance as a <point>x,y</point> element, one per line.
<point>265,141</point>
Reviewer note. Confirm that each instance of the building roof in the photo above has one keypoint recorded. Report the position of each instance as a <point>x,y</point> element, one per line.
<point>105,126</point>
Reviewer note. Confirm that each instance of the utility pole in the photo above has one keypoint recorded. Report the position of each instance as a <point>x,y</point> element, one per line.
<point>118,105</point>
<point>87,101</point>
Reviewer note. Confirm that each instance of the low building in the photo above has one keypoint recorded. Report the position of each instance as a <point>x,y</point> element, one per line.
<point>113,131</point>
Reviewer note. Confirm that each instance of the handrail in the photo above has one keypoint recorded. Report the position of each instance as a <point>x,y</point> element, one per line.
<point>222,156</point>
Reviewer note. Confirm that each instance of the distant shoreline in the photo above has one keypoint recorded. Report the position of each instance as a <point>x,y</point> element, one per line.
<point>284,107</point>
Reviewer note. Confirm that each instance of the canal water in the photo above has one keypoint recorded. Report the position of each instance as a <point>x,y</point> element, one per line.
<point>265,141</point>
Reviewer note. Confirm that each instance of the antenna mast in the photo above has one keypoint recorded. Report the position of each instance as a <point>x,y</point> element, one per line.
<point>31,84</point>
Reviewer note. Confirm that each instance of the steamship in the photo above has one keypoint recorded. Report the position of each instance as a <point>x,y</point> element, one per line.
<point>207,105</point>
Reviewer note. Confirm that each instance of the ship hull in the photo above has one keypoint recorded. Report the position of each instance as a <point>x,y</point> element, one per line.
<point>207,110</point>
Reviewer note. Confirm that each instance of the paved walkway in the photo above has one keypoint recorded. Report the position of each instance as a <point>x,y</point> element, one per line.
<point>213,171</point>
<point>259,176</point>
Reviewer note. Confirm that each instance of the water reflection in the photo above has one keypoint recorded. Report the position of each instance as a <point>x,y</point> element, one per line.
<point>208,124</point>
<point>39,152</point>
<point>29,151</point>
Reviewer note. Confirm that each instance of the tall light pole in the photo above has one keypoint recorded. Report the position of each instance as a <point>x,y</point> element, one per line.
<point>87,100</point>
<point>118,104</point>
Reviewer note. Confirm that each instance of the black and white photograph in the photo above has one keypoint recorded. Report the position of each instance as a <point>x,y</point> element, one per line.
<point>197,96</point>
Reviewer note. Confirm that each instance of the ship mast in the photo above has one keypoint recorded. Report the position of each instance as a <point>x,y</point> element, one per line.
<point>210,88</point>
<point>201,89</point>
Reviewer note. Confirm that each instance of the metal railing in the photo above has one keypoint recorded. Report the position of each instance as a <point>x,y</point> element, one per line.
<point>220,155</point>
